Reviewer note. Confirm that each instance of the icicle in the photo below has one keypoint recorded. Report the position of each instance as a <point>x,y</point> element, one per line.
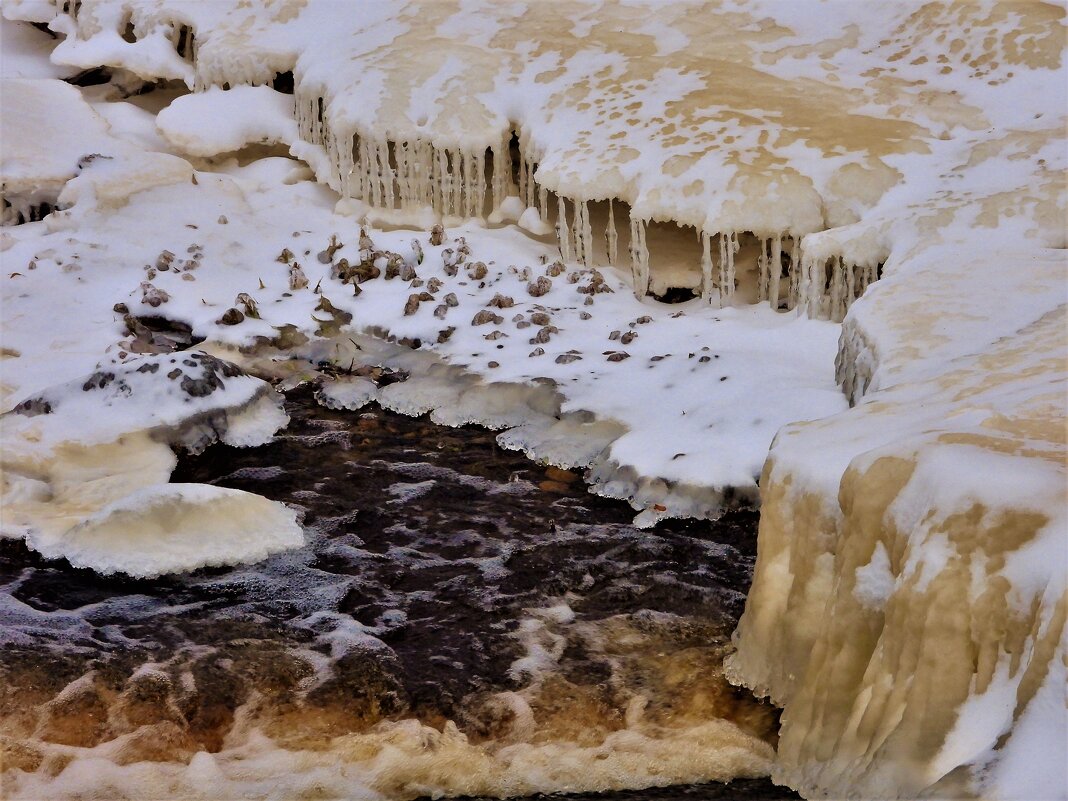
<point>639,257</point>
<point>837,293</point>
<point>851,285</point>
<point>523,179</point>
<point>480,191</point>
<point>501,173</point>
<point>795,273</point>
<point>610,235</point>
<point>732,246</point>
<point>440,178</point>
<point>583,234</point>
<point>706,267</point>
<point>543,203</point>
<point>762,271</point>
<point>775,271</point>
<point>562,236</point>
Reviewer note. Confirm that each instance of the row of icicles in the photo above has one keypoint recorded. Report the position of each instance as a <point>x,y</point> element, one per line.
<point>454,183</point>
<point>416,174</point>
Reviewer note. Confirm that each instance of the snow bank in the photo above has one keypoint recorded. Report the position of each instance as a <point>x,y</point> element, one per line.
<point>51,135</point>
<point>85,466</point>
<point>212,122</point>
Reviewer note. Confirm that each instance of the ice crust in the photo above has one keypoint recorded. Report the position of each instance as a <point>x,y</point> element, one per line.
<point>97,494</point>
<point>896,166</point>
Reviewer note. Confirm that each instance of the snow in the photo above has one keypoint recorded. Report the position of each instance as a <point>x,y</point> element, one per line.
<point>894,166</point>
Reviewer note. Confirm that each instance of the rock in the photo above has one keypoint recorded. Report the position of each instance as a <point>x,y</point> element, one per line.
<point>477,271</point>
<point>627,338</point>
<point>544,334</point>
<point>539,318</point>
<point>555,269</point>
<point>495,335</point>
<point>437,235</point>
<point>537,352</point>
<point>567,358</point>
<point>451,301</point>
<point>539,287</point>
<point>501,301</point>
<point>486,316</point>
<point>249,304</point>
<point>445,334</point>
<point>433,285</point>
<point>440,311</point>
<point>231,317</point>
<point>585,315</point>
<point>120,308</point>
<point>644,319</point>
<point>153,296</point>
<point>618,356</point>
<point>297,278</point>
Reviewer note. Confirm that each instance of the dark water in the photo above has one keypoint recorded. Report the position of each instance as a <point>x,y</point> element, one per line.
<point>428,548</point>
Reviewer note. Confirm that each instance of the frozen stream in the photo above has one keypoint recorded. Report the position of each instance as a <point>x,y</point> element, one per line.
<point>445,579</point>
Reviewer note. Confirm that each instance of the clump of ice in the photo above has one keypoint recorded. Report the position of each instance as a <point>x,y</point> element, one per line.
<point>173,528</point>
<point>85,466</point>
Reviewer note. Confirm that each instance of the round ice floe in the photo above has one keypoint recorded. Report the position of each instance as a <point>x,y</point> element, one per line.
<point>172,528</point>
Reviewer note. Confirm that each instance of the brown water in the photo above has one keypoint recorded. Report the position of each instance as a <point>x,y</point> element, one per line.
<point>435,561</point>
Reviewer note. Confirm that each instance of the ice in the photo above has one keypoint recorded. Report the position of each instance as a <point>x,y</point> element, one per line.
<point>98,495</point>
<point>175,528</point>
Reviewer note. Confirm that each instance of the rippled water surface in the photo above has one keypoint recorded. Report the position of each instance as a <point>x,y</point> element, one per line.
<point>441,576</point>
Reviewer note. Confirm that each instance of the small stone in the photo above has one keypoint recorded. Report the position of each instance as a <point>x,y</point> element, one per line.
<point>522,324</point>
<point>493,365</point>
<point>627,338</point>
<point>544,334</point>
<point>437,235</point>
<point>445,333</point>
<point>495,335</point>
<point>585,315</point>
<point>153,296</point>
<point>614,336</point>
<point>188,277</point>
<point>537,352</point>
<point>539,318</point>
<point>619,356</point>
<point>433,285</point>
<point>223,220</point>
<point>704,359</point>
<point>411,306</point>
<point>477,271</point>
<point>567,358</point>
<point>644,319</point>
<point>588,301</point>
<point>440,311</point>
<point>120,308</point>
<point>451,301</point>
<point>231,317</point>
<point>501,301</point>
<point>555,269</point>
<point>486,316</point>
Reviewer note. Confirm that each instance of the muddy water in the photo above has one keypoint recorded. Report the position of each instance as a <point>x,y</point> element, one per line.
<point>444,580</point>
